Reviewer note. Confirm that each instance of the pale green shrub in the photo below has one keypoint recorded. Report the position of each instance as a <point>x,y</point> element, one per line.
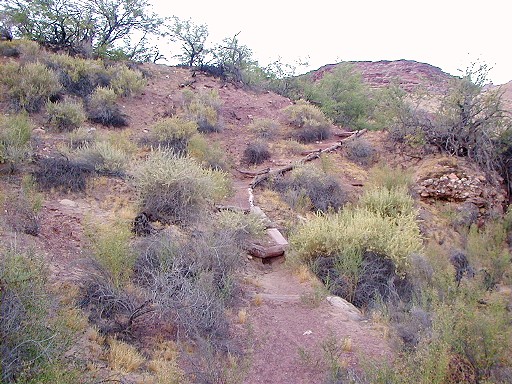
<point>102,108</point>
<point>173,133</point>
<point>29,86</point>
<point>15,134</point>
<point>388,202</point>
<point>126,82</point>
<point>175,189</point>
<point>203,108</point>
<point>359,229</point>
<point>65,115</point>
<point>310,123</point>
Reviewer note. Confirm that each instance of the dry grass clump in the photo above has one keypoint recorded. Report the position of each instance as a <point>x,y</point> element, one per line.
<point>123,357</point>
<point>175,189</point>
<point>360,151</point>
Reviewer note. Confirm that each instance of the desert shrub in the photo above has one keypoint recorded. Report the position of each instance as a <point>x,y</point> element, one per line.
<point>358,230</point>
<point>487,251</point>
<point>241,226</point>
<point>21,212</point>
<point>15,134</point>
<point>28,343</point>
<point>126,81</point>
<point>308,186</point>
<point>102,156</point>
<point>390,178</point>
<point>207,153</point>
<point>176,190</point>
<point>256,153</point>
<point>264,128</point>
<point>387,202</point>
<point>193,279</point>
<point>360,151</point>
<point>203,108</point>
<point>102,108</point>
<point>343,97</point>
<point>112,309</point>
<point>79,76</point>
<point>309,122</point>
<point>9,49</point>
<point>173,133</point>
<point>110,245</point>
<point>466,215</point>
<point>81,137</point>
<point>29,86</point>
<point>65,115</point>
<point>62,174</point>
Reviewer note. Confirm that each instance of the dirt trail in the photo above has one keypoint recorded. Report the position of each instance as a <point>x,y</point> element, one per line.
<point>289,329</point>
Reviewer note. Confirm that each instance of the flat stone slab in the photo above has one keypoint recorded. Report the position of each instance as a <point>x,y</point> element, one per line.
<point>277,237</point>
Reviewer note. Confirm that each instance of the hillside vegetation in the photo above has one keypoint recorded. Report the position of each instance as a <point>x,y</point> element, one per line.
<point>126,226</point>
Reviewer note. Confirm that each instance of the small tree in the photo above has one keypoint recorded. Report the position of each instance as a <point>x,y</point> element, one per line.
<point>88,26</point>
<point>192,38</point>
<point>234,58</point>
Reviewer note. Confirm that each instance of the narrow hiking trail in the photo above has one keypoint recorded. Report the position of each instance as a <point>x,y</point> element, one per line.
<point>292,329</point>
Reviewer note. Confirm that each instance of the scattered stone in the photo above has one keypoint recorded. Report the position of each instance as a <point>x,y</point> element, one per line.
<point>68,203</point>
<point>348,308</point>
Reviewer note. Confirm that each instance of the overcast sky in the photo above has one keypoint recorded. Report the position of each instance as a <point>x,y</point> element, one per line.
<point>449,34</point>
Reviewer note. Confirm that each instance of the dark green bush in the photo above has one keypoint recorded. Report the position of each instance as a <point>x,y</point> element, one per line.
<point>62,174</point>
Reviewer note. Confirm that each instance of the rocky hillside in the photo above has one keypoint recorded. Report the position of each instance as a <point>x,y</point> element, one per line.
<point>409,74</point>
<point>136,293</point>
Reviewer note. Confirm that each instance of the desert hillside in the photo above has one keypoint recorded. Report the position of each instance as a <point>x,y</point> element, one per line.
<point>167,225</point>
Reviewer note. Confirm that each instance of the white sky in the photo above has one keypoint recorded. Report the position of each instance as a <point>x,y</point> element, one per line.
<point>449,34</point>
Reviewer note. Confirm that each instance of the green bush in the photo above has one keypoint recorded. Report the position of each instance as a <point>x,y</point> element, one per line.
<point>79,76</point>
<point>28,50</point>
<point>309,122</point>
<point>28,343</point>
<point>357,230</point>
<point>80,137</point>
<point>390,178</point>
<point>343,97</point>
<point>15,134</point>
<point>207,153</point>
<point>126,82</point>
<point>488,251</point>
<point>173,133</point>
<point>203,108</point>
<point>29,86</point>
<point>175,189</point>
<point>102,108</point>
<point>65,115</point>
<point>110,244</point>
<point>388,202</point>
